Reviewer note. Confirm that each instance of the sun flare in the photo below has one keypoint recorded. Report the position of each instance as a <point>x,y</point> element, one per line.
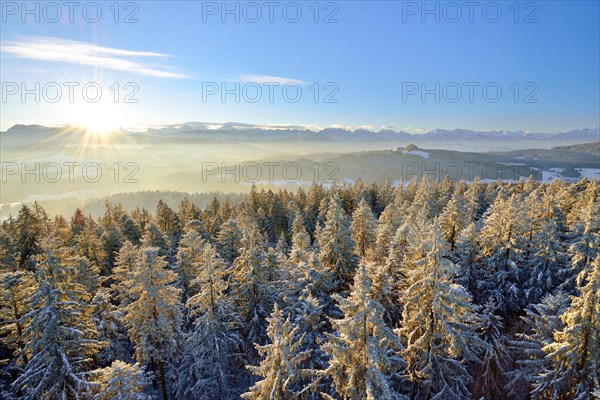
<point>97,119</point>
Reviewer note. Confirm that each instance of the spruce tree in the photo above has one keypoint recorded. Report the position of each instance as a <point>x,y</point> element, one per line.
<point>300,240</point>
<point>283,376</point>
<point>541,321</point>
<point>61,339</point>
<point>228,240</point>
<point>207,369</point>
<point>153,318</point>
<point>575,350</point>
<point>188,258</point>
<point>336,246</point>
<point>16,290</point>
<point>250,288</point>
<point>439,327</point>
<point>364,228</point>
<point>362,348</point>
<point>121,381</point>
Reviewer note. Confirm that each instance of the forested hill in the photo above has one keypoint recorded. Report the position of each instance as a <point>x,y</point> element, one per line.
<point>446,290</point>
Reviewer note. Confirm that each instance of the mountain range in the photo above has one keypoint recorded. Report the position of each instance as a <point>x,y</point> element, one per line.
<point>241,131</point>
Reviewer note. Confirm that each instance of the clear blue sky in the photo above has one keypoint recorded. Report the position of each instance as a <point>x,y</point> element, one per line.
<point>371,55</point>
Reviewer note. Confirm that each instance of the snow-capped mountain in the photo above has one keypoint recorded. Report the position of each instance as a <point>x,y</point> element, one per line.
<point>242,131</point>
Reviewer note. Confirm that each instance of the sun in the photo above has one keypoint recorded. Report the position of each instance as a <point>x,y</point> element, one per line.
<point>96,125</point>
<point>98,119</point>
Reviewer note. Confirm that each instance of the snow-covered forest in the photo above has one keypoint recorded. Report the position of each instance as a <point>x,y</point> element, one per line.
<point>429,290</point>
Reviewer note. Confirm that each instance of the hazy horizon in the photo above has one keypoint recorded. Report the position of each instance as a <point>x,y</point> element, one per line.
<point>481,66</point>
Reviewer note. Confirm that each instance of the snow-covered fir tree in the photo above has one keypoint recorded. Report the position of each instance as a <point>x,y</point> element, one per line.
<point>16,290</point>
<point>250,288</point>
<point>207,368</point>
<point>496,357</point>
<point>88,244</point>
<point>228,240</point>
<point>122,273</point>
<point>440,327</point>
<point>575,351</point>
<point>281,369</point>
<point>467,258</point>
<point>61,339</point>
<point>336,247</point>
<point>546,260</point>
<point>86,274</point>
<point>107,319</point>
<point>585,238</point>
<point>364,228</point>
<point>541,321</point>
<point>154,237</point>
<point>363,350</point>
<point>188,258</point>
<point>389,221</point>
<point>153,318</point>
<point>300,240</point>
<point>452,221</point>
<point>28,232</point>
<point>503,243</point>
<point>307,313</point>
<point>120,381</point>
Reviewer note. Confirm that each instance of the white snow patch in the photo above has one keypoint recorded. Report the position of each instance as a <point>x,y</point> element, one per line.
<point>419,153</point>
<point>12,205</point>
<point>80,194</point>
<point>550,176</point>
<point>590,173</point>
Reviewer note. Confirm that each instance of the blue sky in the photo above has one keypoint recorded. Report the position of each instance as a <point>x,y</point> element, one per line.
<point>545,59</point>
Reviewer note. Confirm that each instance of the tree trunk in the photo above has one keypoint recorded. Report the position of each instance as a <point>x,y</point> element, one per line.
<point>163,380</point>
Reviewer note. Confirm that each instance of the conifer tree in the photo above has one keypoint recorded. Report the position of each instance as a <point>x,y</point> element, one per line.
<point>467,257</point>
<point>153,318</point>
<point>503,243</point>
<point>389,221</point>
<point>281,368</point>
<point>336,252</point>
<point>111,331</point>
<point>541,321</point>
<point>188,211</point>
<point>364,228</point>
<point>207,369</point>
<point>126,261</point>
<point>300,240</point>
<point>16,290</point>
<point>154,237</point>
<point>61,339</point>
<point>28,233</point>
<point>546,262</point>
<point>250,287</point>
<point>168,221</point>
<point>228,240</point>
<point>121,381</point>
<point>496,357</point>
<point>362,348</point>
<point>575,350</point>
<point>439,327</point>
<point>452,221</point>
<point>88,244</point>
<point>189,253</point>
<point>585,238</point>
<point>131,231</point>
<point>86,274</point>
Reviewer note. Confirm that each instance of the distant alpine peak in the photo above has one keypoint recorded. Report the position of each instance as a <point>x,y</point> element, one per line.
<point>191,128</point>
